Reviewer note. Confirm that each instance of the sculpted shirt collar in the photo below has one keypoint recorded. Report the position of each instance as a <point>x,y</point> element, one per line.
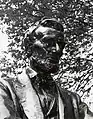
<point>30,72</point>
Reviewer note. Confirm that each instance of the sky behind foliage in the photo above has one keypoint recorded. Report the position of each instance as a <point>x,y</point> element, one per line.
<point>3,41</point>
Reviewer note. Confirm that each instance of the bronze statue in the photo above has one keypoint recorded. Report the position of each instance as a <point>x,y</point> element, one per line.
<point>34,94</point>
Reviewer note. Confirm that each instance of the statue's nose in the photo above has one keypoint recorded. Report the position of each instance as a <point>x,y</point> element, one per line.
<point>55,48</point>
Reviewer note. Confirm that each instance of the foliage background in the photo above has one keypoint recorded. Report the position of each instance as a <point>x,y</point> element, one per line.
<point>76,64</point>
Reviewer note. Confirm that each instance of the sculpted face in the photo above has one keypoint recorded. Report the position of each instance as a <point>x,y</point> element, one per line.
<point>47,47</point>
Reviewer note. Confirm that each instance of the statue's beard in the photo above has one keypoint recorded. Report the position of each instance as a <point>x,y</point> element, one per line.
<point>44,65</point>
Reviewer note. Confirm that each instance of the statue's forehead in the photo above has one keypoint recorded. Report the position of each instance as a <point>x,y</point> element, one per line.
<point>50,21</point>
<point>52,24</point>
<point>45,30</point>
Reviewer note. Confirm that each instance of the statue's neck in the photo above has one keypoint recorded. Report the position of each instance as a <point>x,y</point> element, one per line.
<point>43,81</point>
<point>43,78</point>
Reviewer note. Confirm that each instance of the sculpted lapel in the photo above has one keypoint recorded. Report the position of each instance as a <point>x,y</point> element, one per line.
<point>27,96</point>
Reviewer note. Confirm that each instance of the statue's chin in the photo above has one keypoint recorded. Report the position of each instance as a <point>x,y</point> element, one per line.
<point>45,66</point>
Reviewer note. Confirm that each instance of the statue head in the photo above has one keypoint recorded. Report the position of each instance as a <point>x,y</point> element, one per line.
<point>44,44</point>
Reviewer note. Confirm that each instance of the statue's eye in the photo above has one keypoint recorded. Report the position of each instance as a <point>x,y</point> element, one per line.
<point>48,44</point>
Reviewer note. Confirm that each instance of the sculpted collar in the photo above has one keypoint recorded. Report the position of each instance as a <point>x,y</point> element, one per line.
<point>30,72</point>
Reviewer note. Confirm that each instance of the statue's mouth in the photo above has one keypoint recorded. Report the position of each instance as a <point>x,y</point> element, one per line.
<point>54,61</point>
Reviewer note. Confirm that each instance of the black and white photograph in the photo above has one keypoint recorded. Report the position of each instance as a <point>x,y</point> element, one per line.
<point>46,59</point>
